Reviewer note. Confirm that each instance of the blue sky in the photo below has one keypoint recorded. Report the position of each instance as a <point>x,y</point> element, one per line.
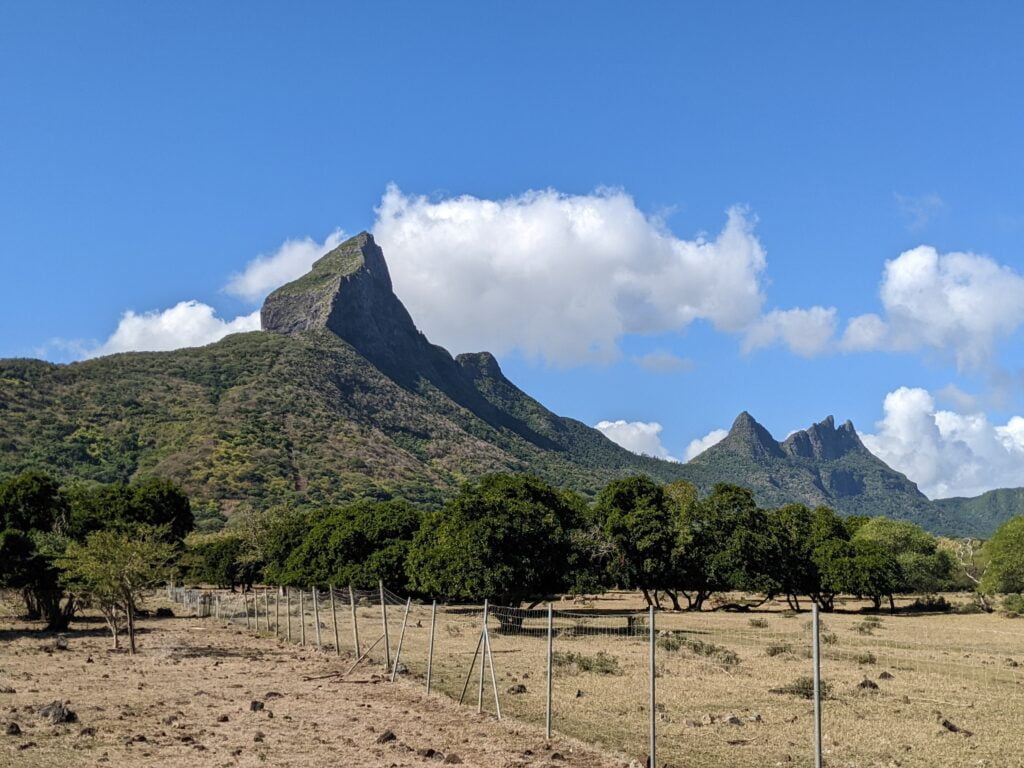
<point>149,153</point>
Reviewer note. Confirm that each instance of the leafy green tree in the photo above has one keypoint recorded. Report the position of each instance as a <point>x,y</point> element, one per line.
<point>922,565</point>
<point>507,538</point>
<point>640,522</point>
<point>32,512</point>
<point>725,544</point>
<point>115,569</point>
<point>1005,551</point>
<point>218,559</point>
<point>359,544</point>
<point>799,534</point>
<point>152,502</point>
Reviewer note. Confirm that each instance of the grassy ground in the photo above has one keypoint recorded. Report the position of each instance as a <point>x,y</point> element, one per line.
<point>716,677</point>
<point>185,702</point>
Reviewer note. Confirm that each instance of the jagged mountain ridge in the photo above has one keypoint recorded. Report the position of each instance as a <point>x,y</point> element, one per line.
<point>341,396</point>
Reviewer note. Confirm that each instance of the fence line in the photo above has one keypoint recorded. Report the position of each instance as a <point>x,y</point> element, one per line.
<point>702,688</point>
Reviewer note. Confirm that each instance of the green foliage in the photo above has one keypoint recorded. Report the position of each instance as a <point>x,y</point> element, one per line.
<point>922,566</point>
<point>1014,604</point>
<point>218,559</point>
<point>115,568</point>
<point>1005,572</point>
<point>151,502</point>
<point>507,537</point>
<point>357,544</point>
<point>676,642</point>
<point>803,687</point>
<point>600,664</point>
<point>640,523</point>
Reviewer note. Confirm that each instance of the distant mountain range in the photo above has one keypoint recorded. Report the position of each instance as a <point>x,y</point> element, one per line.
<point>340,396</point>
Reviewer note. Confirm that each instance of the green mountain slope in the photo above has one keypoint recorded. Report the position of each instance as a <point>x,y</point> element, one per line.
<point>343,397</point>
<point>989,510</point>
<point>340,396</point>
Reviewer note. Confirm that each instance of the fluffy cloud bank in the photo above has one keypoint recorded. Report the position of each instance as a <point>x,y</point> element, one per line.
<point>292,260</point>
<point>944,452</point>
<point>637,436</point>
<point>807,332</point>
<point>186,324</point>
<point>698,445</point>
<point>956,303</point>
<point>562,277</point>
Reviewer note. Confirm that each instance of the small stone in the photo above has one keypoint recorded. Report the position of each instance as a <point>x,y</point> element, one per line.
<point>886,676</point>
<point>223,719</point>
<point>60,643</point>
<point>255,705</point>
<point>452,759</point>
<point>426,752</point>
<point>90,731</point>
<point>13,729</point>
<point>731,719</point>
<point>867,685</point>
<point>385,737</point>
<point>258,736</point>
<point>579,694</point>
<point>517,689</point>
<point>57,713</point>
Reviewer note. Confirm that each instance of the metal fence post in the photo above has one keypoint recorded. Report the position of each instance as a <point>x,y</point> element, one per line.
<point>355,621</point>
<point>316,617</point>
<point>288,610</point>
<point>266,606</point>
<point>384,619</point>
<point>551,626</point>
<point>654,697</point>
<point>401,638</point>
<point>483,639</point>
<point>430,647</point>
<point>816,640</point>
<point>302,620</point>
<point>245,602</point>
<point>334,622</point>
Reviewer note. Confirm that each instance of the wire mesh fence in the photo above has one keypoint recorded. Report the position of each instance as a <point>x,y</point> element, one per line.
<point>710,688</point>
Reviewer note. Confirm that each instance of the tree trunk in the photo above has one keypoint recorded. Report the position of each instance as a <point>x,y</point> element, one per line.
<point>130,611</point>
<point>674,597</point>
<point>892,605</point>
<point>657,602</point>
<point>647,595</point>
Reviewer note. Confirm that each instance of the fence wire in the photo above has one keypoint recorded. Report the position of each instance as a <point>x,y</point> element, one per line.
<point>732,688</point>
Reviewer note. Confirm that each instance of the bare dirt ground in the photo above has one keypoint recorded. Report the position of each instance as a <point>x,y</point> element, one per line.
<point>187,699</point>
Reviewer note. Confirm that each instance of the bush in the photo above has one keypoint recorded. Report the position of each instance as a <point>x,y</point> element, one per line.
<point>601,664</point>
<point>1014,603</point>
<point>777,649</point>
<point>930,604</point>
<point>804,688</point>
<point>723,655</point>
<point>865,628</point>
<point>865,657</point>
<point>759,623</point>
<point>829,638</point>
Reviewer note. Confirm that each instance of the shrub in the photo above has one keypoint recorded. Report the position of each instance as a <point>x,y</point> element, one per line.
<point>601,664</point>
<point>1014,603</point>
<point>865,628</point>
<point>930,604</point>
<point>804,688</point>
<point>777,649</point>
<point>865,657</point>
<point>759,623</point>
<point>829,638</point>
<point>722,655</point>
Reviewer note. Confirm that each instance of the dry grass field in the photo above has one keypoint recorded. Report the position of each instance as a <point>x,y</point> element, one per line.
<point>185,701</point>
<point>718,674</point>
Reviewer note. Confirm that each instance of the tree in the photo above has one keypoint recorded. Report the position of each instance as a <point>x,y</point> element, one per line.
<point>725,544</point>
<point>359,544</point>
<point>153,502</point>
<point>218,559</point>
<point>637,518</point>
<point>115,570</point>
<point>922,566</point>
<point>32,512</point>
<point>506,538</point>
<point>799,534</point>
<point>1005,550</point>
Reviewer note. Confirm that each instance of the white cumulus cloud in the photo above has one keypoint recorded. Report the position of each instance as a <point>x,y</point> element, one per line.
<point>957,303</point>
<point>807,332</point>
<point>292,260</point>
<point>662,361</point>
<point>637,436</point>
<point>698,445</point>
<point>945,452</point>
<point>186,324</point>
<point>562,277</point>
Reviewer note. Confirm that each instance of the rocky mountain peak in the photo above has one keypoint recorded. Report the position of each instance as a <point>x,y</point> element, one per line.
<point>823,441</point>
<point>747,436</point>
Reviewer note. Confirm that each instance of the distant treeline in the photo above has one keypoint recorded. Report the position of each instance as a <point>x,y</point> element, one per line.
<point>515,539</point>
<point>511,538</point>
